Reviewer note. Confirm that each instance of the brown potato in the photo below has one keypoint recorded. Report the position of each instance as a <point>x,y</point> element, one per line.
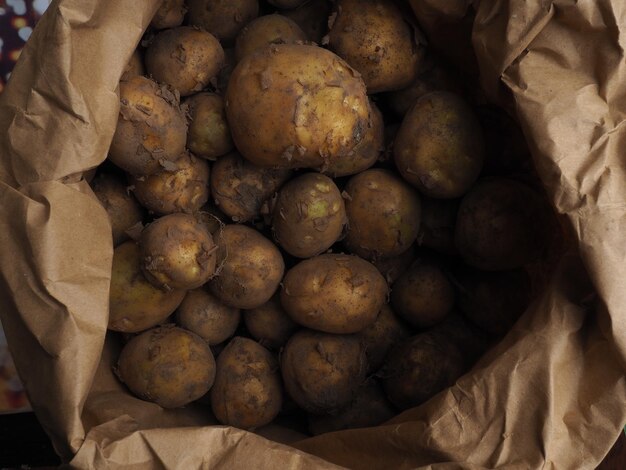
<point>134,67</point>
<point>168,366</point>
<point>383,214</point>
<point>207,317</point>
<point>333,293</point>
<point>266,30</point>
<point>309,215</point>
<point>135,304</point>
<point>322,372</point>
<point>177,252</point>
<point>208,135</point>
<point>437,225</point>
<point>269,324</point>
<point>185,189</point>
<point>251,267</point>
<point>222,18</point>
<point>247,393</point>
<point>392,268</point>
<point>169,15</point>
<point>151,128</point>
<point>439,147</point>
<point>185,58</point>
<point>296,106</point>
<point>241,189</point>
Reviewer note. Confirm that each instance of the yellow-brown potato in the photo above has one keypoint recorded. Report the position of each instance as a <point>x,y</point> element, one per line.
<point>322,372</point>
<point>383,214</point>
<point>240,189</point>
<point>296,106</point>
<point>250,267</point>
<point>168,366</point>
<point>207,317</point>
<point>208,135</point>
<point>177,252</point>
<point>185,189</point>
<point>309,215</point>
<point>247,392</point>
<point>151,129</point>
<point>185,58</point>
<point>269,324</point>
<point>333,293</point>
<point>392,268</point>
<point>222,18</point>
<point>437,224</point>
<point>134,303</point>
<point>375,39</point>
<point>312,17</point>
<point>439,147</point>
<point>169,15</point>
<point>134,67</point>
<point>123,209</point>
<point>266,30</point>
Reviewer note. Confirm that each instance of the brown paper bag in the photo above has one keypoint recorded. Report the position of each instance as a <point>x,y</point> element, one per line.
<point>552,394</point>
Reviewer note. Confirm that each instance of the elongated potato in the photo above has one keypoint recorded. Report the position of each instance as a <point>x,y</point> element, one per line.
<point>208,136</point>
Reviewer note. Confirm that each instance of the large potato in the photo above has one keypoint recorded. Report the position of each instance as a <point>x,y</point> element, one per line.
<point>334,293</point>
<point>296,106</point>
<point>208,135</point>
<point>222,18</point>
<point>269,324</point>
<point>266,30</point>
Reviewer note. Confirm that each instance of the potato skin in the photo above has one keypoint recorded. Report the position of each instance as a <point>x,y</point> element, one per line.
<point>168,366</point>
<point>266,30</point>
<point>322,372</point>
<point>269,324</point>
<point>247,392</point>
<point>439,147</point>
<point>222,18</point>
<point>333,293</point>
<point>208,135</point>
<point>251,267</point>
<point>169,15</point>
<point>296,106</point>
<point>134,303</point>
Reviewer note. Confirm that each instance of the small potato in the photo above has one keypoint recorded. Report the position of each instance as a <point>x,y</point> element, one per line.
<point>168,366</point>
<point>185,58</point>
<point>333,293</point>
<point>269,324</point>
<point>309,215</point>
<point>437,225</point>
<point>134,67</point>
<point>185,189</point>
<point>123,209</point>
<point>392,268</point>
<point>383,214</point>
<point>311,16</point>
<point>169,15</point>
<point>247,393</point>
<point>266,30</point>
<point>201,313</point>
<point>151,129</point>
<point>177,252</point>
<point>222,18</point>
<point>241,189</point>
<point>251,267</point>
<point>134,304</point>
<point>208,136</point>
<point>322,372</point>
<point>439,147</point>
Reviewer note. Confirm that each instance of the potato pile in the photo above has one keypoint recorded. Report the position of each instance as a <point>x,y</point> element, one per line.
<point>327,227</point>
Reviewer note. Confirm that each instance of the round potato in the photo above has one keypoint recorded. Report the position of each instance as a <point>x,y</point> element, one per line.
<point>168,366</point>
<point>222,18</point>
<point>437,225</point>
<point>247,393</point>
<point>266,30</point>
<point>250,267</point>
<point>322,372</point>
<point>296,106</point>
<point>208,135</point>
<point>134,67</point>
<point>439,147</point>
<point>169,15</point>
<point>333,293</point>
<point>269,324</point>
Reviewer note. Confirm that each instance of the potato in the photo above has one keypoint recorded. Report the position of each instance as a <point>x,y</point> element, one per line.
<point>241,189</point>
<point>296,106</point>
<point>383,214</point>
<point>419,368</point>
<point>266,30</point>
<point>169,15</point>
<point>375,39</point>
<point>392,268</point>
<point>439,147</point>
<point>151,128</point>
<point>247,393</point>
<point>168,366</point>
<point>134,303</point>
<point>501,224</point>
<point>222,18</point>
<point>134,67</point>
<point>203,314</point>
<point>437,225</point>
<point>333,293</point>
<point>208,135</point>
<point>269,324</point>
<point>177,252</point>
<point>185,58</point>
<point>322,372</point>
<point>312,17</point>
<point>423,295</point>
<point>251,267</point>
<point>309,215</point>
<point>122,208</point>
<point>185,189</point>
